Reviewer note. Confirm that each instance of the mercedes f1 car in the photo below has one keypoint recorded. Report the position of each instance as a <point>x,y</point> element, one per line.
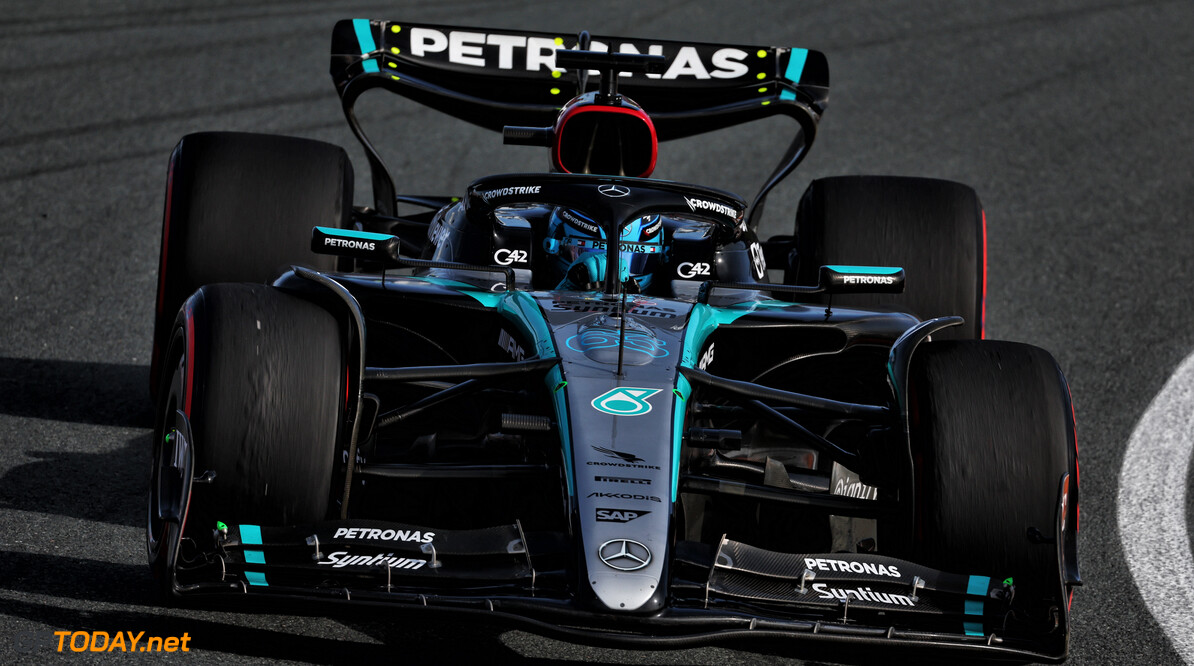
<point>574,400</point>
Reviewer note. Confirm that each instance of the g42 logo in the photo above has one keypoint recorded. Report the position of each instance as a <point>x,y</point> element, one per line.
<point>706,358</point>
<point>506,257</point>
<point>689,269</point>
<point>625,401</point>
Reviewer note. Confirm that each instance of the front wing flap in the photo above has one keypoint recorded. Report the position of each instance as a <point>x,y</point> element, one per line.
<point>717,594</point>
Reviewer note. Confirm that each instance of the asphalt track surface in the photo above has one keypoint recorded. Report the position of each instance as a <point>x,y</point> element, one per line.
<point>1073,119</point>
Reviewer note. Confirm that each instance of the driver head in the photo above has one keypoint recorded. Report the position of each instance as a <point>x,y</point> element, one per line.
<point>577,246</point>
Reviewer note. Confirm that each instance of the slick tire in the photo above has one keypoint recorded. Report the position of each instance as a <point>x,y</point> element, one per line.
<point>240,208</point>
<point>933,229</point>
<point>992,436</point>
<point>255,376</point>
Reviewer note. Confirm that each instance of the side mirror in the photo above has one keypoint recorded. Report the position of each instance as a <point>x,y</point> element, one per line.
<point>861,280</point>
<point>363,245</point>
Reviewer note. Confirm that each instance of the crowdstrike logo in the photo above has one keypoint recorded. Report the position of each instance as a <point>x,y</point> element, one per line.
<point>508,191</point>
<point>712,206</point>
<point>350,244</point>
<point>584,225</point>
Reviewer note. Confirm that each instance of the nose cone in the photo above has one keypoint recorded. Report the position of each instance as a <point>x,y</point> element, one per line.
<point>623,591</point>
<point>627,580</point>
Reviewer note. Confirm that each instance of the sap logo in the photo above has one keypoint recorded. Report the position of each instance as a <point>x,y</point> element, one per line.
<point>477,49</point>
<point>706,358</point>
<point>690,270</point>
<point>511,346</point>
<point>506,257</point>
<point>618,515</point>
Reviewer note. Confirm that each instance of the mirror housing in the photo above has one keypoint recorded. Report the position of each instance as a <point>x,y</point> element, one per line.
<point>861,280</point>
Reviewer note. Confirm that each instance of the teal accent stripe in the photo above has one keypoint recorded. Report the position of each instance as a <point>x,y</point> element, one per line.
<point>974,607</point>
<point>256,578</point>
<point>485,298</point>
<point>678,412</point>
<point>702,321</point>
<point>353,233</point>
<point>866,270</point>
<point>365,37</point>
<point>560,398</point>
<point>796,59</point>
<point>250,535</point>
<point>254,557</point>
<point>973,628</point>
<point>977,587</point>
<point>787,94</point>
<point>370,66</point>
<point>523,311</point>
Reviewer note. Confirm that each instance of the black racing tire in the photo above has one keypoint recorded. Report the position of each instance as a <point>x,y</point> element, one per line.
<point>240,208</point>
<point>992,434</point>
<point>259,375</point>
<point>933,229</point>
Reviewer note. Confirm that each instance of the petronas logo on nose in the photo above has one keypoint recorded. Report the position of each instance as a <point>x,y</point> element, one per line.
<point>625,401</point>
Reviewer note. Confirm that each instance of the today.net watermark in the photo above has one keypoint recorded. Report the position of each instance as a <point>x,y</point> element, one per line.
<point>118,641</point>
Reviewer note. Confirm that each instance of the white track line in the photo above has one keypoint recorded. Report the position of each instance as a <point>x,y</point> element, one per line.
<point>1152,508</point>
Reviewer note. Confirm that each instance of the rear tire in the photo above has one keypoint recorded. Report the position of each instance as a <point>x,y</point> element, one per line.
<point>240,208</point>
<point>933,229</point>
<point>993,436</point>
<point>259,376</point>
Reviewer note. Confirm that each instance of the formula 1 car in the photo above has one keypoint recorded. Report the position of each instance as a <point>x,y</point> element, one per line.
<point>573,401</point>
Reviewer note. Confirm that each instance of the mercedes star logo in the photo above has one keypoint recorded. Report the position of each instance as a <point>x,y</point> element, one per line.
<point>613,190</point>
<point>624,554</point>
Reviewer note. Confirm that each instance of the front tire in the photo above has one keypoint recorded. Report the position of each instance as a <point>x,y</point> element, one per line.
<point>993,438</point>
<point>256,377</point>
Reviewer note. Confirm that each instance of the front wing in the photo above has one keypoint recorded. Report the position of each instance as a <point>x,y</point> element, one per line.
<point>728,593</point>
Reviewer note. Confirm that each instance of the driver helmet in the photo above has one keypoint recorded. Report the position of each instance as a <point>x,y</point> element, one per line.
<point>576,245</point>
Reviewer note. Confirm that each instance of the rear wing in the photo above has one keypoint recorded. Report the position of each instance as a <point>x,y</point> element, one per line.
<point>494,78</point>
